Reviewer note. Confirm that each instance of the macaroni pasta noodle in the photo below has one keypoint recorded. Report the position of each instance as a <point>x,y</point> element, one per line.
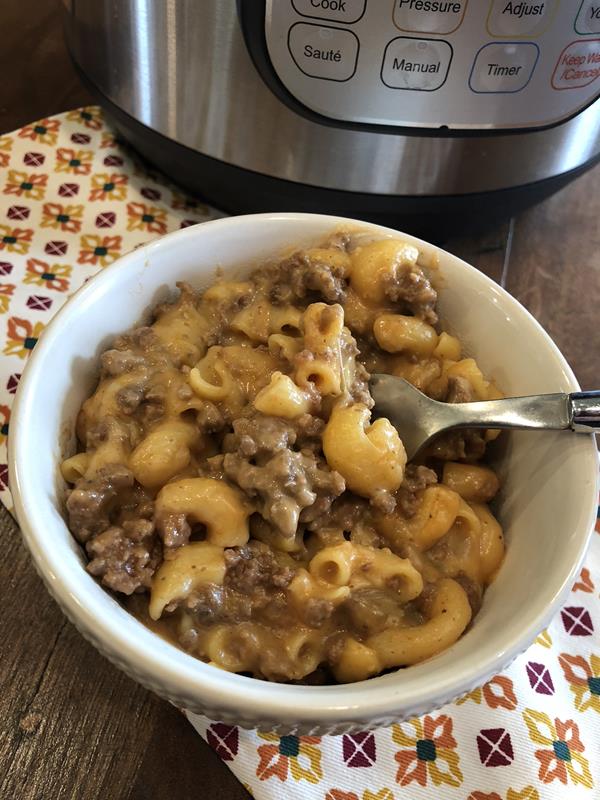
<point>233,487</point>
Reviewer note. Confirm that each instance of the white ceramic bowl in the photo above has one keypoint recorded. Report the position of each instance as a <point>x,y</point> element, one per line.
<point>547,506</point>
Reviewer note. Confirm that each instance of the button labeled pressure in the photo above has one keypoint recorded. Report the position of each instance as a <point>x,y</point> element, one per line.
<point>418,64</point>
<point>503,67</point>
<point>429,16</point>
<point>578,65</point>
<point>510,18</point>
<point>336,10</point>
<point>321,51</point>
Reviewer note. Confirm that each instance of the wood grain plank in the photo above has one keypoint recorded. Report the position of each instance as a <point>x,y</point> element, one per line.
<point>38,78</point>
<point>194,770</point>
<point>555,272</point>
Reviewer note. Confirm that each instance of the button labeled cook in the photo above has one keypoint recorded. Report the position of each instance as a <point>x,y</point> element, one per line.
<point>578,65</point>
<point>418,64</point>
<point>503,67</point>
<point>429,16</point>
<point>588,18</point>
<point>510,18</point>
<point>335,10</point>
<point>320,51</point>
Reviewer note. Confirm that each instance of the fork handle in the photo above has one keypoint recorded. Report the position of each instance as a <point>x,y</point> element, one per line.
<point>579,411</point>
<point>585,410</point>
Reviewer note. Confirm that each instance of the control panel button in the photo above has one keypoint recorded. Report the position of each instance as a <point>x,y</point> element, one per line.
<point>429,16</point>
<point>578,65</point>
<point>321,51</point>
<point>335,10</point>
<point>528,19</point>
<point>503,67</point>
<point>418,64</point>
<point>588,18</point>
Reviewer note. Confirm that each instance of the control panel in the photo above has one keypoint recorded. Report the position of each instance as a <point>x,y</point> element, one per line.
<point>459,64</point>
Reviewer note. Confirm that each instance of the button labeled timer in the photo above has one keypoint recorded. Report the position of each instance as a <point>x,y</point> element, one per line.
<point>503,67</point>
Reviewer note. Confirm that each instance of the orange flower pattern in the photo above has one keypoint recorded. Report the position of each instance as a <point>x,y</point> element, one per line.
<point>107,186</point>
<point>77,162</point>
<point>5,148</point>
<point>497,693</point>
<point>33,187</point>
<point>428,752</point>
<point>298,756</point>
<point>62,217</point>
<point>72,200</point>
<point>561,755</point>
<point>102,250</point>
<point>44,131</point>
<point>54,276</point>
<point>22,336</point>
<point>583,677</point>
<point>6,292</point>
<point>142,217</point>
<point>90,117</point>
<point>15,240</point>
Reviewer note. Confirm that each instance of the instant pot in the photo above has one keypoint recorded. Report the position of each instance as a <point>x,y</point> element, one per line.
<point>433,112</point>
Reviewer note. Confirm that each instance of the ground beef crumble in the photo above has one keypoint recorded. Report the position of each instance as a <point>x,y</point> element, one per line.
<point>90,502</point>
<point>125,557</point>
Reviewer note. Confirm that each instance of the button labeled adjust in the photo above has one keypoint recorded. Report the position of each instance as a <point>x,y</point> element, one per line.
<point>503,67</point>
<point>508,18</point>
<point>578,65</point>
<point>418,64</point>
<point>429,16</point>
<point>335,10</point>
<point>588,18</point>
<point>320,51</point>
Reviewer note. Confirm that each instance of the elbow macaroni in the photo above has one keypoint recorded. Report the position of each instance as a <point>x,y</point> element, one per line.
<point>229,459</point>
<point>223,509</point>
<point>370,457</point>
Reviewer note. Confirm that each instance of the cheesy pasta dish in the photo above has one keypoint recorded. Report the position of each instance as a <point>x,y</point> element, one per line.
<point>233,485</point>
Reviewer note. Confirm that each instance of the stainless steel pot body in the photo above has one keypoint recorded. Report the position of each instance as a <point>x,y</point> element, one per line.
<point>182,68</point>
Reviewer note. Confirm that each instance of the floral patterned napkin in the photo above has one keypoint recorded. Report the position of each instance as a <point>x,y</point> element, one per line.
<point>72,200</point>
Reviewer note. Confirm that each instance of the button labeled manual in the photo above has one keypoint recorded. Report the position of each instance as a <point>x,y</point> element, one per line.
<point>429,16</point>
<point>324,52</point>
<point>335,10</point>
<point>503,67</point>
<point>417,64</point>
<point>519,17</point>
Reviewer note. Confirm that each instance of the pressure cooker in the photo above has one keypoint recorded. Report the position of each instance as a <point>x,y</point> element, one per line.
<point>428,112</point>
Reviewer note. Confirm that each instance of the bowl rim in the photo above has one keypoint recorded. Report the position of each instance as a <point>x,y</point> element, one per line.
<point>182,674</point>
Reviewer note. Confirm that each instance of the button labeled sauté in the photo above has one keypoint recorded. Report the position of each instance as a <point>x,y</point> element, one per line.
<point>511,18</point>
<point>336,10</point>
<point>588,17</point>
<point>429,16</point>
<point>578,65</point>
<point>503,67</point>
<point>321,51</point>
<point>417,64</point>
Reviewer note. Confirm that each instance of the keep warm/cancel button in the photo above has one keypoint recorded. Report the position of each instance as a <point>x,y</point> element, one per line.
<point>578,65</point>
<point>418,64</point>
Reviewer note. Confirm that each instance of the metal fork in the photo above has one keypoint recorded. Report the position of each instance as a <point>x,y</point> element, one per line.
<point>419,419</point>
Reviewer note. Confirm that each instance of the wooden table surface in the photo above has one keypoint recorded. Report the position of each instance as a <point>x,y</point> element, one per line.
<point>71,725</point>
